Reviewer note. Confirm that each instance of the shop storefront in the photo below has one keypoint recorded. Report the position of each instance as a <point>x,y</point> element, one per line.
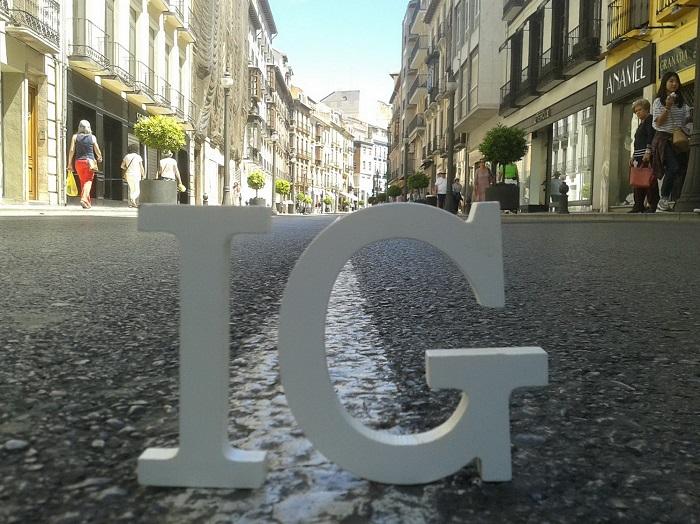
<point>112,119</point>
<point>623,84</point>
<point>561,140</point>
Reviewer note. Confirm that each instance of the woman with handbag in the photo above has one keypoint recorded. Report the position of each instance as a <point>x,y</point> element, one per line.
<point>671,114</point>
<point>85,152</point>
<point>642,176</point>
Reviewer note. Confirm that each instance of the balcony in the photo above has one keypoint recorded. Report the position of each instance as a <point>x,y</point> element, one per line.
<point>36,23</point>
<point>507,105</point>
<point>121,70</point>
<point>144,81</point>
<point>177,103</point>
<point>4,11</point>
<point>625,18</point>
<point>417,90</point>
<point>526,91</point>
<point>180,17</point>
<point>90,47</point>
<point>417,125</point>
<point>434,94</point>
<point>582,50</point>
<point>433,53</point>
<point>551,72</point>
<point>511,8</point>
<point>418,53</point>
<point>415,16</point>
<point>668,10</point>
<point>192,116</point>
<point>162,92</point>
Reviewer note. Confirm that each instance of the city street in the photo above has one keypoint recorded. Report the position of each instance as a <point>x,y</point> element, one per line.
<point>89,373</point>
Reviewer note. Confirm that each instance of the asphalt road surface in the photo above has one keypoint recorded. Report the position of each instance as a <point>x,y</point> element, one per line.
<point>89,374</point>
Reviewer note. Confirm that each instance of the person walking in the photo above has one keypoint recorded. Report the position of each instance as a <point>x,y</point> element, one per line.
<point>554,195</point>
<point>641,157</point>
<point>84,155</point>
<point>483,179</point>
<point>170,171</point>
<point>670,114</point>
<point>457,194</point>
<point>441,189</point>
<point>133,173</point>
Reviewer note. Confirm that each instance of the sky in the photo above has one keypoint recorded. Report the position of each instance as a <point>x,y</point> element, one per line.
<point>335,45</point>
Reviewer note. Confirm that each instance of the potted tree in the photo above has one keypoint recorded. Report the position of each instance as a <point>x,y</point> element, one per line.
<point>393,191</point>
<point>256,181</point>
<point>162,133</point>
<point>501,146</point>
<point>418,182</point>
<point>282,188</point>
<point>381,198</point>
<point>301,201</point>
<point>327,201</point>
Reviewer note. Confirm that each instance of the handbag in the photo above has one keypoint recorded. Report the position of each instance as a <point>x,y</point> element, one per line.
<point>92,163</point>
<point>71,186</point>
<point>641,177</point>
<point>681,144</point>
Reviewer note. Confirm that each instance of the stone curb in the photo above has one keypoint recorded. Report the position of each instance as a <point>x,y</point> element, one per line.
<point>521,218</point>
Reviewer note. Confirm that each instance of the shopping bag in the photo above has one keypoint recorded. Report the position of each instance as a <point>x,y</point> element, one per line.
<point>641,177</point>
<point>71,186</point>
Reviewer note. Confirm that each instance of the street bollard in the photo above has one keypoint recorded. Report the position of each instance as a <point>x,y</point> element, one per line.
<point>205,199</point>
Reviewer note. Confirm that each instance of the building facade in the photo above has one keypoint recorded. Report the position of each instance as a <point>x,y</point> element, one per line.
<point>645,39</point>
<point>32,80</point>
<point>128,59</point>
<point>221,30</point>
<point>269,132</point>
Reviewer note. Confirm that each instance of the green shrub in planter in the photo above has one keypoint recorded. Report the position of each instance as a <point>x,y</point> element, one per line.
<point>256,181</point>
<point>301,197</point>
<point>282,186</point>
<point>394,191</point>
<point>327,200</point>
<point>159,132</point>
<point>418,182</point>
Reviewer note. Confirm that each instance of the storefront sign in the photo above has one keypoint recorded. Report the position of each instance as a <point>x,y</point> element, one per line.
<point>478,429</point>
<point>543,115</point>
<point>677,58</point>
<point>628,76</point>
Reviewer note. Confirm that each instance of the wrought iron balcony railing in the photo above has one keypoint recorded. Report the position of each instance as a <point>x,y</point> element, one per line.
<point>40,16</point>
<point>663,4</point>
<point>625,16</point>
<point>90,43</point>
<point>145,78</point>
<point>123,63</point>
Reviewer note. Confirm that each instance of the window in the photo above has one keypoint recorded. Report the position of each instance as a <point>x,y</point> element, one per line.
<point>473,79</point>
<point>464,92</point>
<point>474,13</point>
<point>133,17</point>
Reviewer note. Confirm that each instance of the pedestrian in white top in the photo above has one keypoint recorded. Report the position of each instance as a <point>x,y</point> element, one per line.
<point>671,114</point>
<point>133,172</point>
<point>441,189</point>
<point>170,171</point>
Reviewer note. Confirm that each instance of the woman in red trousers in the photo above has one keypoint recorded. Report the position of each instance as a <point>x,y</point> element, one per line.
<point>85,152</point>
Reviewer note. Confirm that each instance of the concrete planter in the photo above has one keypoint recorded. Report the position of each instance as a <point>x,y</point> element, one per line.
<point>257,202</point>
<point>158,192</point>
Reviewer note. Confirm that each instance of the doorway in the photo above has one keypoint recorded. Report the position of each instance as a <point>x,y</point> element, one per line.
<point>113,152</point>
<point>32,143</point>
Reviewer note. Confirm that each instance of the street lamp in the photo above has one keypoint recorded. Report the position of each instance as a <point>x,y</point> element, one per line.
<point>690,195</point>
<point>226,84</point>
<point>451,88</point>
<point>274,137</point>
